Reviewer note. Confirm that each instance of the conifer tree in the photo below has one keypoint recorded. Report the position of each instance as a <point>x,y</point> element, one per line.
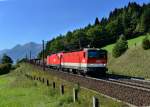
<point>97,21</point>
<point>120,47</point>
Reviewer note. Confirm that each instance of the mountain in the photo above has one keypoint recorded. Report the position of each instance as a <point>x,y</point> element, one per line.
<point>20,51</point>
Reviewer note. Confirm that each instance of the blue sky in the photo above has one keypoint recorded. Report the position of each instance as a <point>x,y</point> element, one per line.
<point>23,21</point>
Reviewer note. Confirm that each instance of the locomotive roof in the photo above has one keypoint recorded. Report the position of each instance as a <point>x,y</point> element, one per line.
<point>91,49</point>
<point>86,49</point>
<point>72,50</point>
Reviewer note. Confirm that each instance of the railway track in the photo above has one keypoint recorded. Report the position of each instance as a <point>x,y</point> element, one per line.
<point>146,82</point>
<point>132,84</point>
<point>132,93</point>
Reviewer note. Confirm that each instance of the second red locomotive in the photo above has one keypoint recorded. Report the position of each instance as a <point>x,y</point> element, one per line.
<point>85,61</point>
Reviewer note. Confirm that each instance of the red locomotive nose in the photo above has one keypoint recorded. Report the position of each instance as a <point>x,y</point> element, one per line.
<point>97,61</point>
<point>101,61</point>
<point>104,61</point>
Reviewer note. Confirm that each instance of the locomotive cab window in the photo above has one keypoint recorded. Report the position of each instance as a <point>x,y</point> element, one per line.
<point>96,54</point>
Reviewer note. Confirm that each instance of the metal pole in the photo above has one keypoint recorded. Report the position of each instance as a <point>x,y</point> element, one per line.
<point>30,55</point>
<point>26,57</point>
<point>80,43</point>
<point>43,56</point>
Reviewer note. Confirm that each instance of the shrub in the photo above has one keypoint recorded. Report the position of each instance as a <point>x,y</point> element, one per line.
<point>5,68</point>
<point>146,43</point>
<point>120,47</point>
<point>22,60</point>
<point>6,59</point>
<point>13,67</point>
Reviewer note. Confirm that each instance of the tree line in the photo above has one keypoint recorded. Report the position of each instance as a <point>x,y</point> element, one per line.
<point>131,21</point>
<point>6,64</point>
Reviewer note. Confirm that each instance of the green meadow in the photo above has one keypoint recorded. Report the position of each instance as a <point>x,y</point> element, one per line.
<point>18,91</point>
<point>131,43</point>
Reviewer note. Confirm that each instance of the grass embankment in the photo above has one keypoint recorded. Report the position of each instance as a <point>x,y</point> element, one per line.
<point>131,43</point>
<point>18,91</point>
<point>134,62</point>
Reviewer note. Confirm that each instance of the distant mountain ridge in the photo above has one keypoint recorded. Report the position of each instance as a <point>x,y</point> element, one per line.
<point>20,51</point>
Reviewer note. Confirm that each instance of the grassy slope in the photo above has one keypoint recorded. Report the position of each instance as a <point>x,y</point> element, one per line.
<point>135,62</point>
<point>17,91</point>
<point>131,43</point>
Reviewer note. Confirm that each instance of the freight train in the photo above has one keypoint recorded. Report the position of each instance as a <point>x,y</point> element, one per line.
<point>85,61</point>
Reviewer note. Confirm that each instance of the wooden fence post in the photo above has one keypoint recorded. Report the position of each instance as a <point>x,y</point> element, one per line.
<point>95,102</point>
<point>54,85</point>
<point>75,94</point>
<point>62,89</point>
<point>31,77</point>
<point>47,83</point>
<point>43,80</point>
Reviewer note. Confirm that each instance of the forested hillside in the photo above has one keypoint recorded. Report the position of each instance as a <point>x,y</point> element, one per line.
<point>132,20</point>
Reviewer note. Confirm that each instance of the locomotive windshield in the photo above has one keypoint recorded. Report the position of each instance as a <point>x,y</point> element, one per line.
<point>97,54</point>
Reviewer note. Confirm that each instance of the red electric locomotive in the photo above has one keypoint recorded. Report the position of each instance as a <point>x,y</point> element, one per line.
<point>85,61</point>
<point>54,60</point>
